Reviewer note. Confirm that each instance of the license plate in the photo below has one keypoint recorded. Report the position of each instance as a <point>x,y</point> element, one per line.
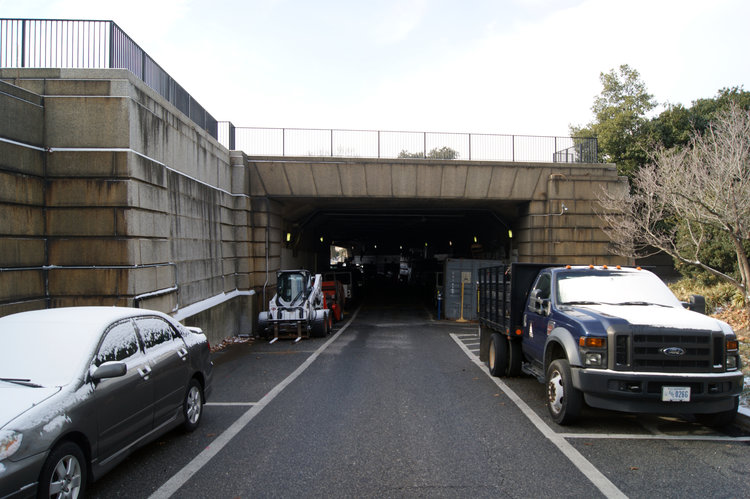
<point>675,394</point>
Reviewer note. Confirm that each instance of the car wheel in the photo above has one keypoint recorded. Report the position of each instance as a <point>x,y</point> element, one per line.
<point>498,355</point>
<point>192,406</point>
<point>564,402</point>
<point>64,473</point>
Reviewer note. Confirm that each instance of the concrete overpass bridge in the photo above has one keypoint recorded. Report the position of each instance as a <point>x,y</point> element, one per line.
<point>113,194</point>
<point>499,210</point>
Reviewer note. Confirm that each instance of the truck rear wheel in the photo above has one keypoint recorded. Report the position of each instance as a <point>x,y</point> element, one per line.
<point>564,402</point>
<point>514,358</point>
<point>498,355</point>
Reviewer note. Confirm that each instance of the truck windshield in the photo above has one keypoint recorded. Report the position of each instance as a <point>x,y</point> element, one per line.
<point>613,288</point>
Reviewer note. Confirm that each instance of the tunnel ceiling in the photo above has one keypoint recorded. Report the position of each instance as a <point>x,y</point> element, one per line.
<point>394,225</point>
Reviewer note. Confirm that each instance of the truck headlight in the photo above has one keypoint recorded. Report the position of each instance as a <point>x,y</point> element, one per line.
<point>593,359</point>
<point>731,363</point>
<point>593,351</point>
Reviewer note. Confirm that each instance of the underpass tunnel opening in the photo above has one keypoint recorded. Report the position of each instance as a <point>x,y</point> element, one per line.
<point>407,245</point>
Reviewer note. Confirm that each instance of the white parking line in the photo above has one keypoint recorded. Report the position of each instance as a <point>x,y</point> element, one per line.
<point>229,404</point>
<point>179,479</point>
<point>600,481</point>
<point>659,436</point>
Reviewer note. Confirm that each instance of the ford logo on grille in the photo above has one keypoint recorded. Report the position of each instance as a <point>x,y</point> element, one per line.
<point>673,351</point>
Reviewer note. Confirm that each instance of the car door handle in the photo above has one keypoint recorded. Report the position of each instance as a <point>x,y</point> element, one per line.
<point>182,353</point>
<point>144,371</point>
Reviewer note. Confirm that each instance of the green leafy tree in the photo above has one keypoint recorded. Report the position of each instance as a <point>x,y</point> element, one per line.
<point>677,124</point>
<point>620,112</point>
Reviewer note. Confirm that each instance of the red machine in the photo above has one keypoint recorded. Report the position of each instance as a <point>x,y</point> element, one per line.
<point>335,299</point>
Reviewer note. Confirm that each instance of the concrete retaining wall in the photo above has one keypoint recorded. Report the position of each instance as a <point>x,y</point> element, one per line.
<point>113,197</point>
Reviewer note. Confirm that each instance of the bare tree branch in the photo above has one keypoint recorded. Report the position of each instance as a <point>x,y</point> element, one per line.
<point>684,191</point>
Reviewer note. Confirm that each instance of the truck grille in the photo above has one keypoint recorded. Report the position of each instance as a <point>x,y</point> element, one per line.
<point>649,351</point>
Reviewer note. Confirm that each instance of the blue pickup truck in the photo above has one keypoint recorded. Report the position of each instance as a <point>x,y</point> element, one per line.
<point>613,338</point>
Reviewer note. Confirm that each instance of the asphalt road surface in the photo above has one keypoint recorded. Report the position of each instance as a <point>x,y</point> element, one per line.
<point>396,404</point>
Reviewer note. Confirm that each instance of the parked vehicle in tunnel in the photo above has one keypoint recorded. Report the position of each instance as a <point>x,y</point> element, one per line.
<point>614,338</point>
<point>335,298</point>
<point>82,387</point>
<point>298,308</point>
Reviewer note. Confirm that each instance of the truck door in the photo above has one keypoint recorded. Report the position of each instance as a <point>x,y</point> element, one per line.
<point>536,318</point>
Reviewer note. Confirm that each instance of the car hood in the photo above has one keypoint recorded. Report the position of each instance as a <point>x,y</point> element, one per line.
<point>18,399</point>
<point>651,315</point>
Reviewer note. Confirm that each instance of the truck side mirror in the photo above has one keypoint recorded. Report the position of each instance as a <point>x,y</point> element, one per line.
<point>696,303</point>
<point>539,305</point>
<point>545,307</point>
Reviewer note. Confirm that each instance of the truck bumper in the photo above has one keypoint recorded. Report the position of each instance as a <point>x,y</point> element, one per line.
<point>642,391</point>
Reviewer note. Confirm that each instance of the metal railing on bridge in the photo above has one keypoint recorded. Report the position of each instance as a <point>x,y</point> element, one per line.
<point>58,43</point>
<point>63,43</point>
<point>389,144</point>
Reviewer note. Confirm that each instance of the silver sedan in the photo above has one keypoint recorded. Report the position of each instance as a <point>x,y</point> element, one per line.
<point>82,387</point>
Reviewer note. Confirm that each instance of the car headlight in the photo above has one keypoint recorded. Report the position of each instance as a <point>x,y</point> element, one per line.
<point>10,442</point>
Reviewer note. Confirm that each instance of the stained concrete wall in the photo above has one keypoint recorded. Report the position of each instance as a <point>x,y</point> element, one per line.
<point>111,196</point>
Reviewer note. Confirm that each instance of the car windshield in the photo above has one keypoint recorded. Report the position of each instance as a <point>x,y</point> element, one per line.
<point>33,354</point>
<point>613,288</point>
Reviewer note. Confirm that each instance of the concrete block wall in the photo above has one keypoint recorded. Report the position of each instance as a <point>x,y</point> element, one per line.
<point>22,207</point>
<point>113,197</point>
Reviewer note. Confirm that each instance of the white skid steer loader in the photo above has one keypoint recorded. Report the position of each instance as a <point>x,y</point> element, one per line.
<point>298,308</point>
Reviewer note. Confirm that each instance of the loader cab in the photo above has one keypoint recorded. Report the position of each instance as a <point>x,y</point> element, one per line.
<point>292,284</point>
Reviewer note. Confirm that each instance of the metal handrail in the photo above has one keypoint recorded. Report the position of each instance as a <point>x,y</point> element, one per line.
<point>92,44</point>
<point>256,141</point>
<point>74,43</point>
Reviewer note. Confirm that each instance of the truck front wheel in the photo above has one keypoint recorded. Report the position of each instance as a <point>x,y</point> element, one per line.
<point>498,355</point>
<point>719,419</point>
<point>564,402</point>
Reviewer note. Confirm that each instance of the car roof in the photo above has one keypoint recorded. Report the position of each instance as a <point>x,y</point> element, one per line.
<point>74,320</point>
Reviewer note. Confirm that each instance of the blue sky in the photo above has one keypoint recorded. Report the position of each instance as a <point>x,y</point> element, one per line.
<point>504,66</point>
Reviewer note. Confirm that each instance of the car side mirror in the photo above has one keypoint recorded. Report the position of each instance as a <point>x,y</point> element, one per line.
<point>194,329</point>
<point>109,370</point>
